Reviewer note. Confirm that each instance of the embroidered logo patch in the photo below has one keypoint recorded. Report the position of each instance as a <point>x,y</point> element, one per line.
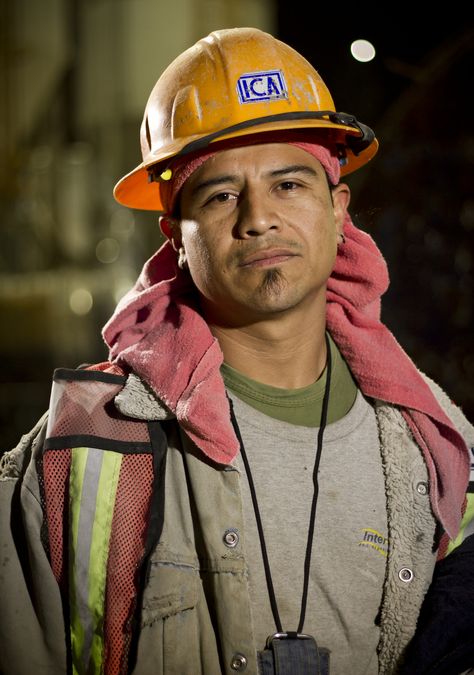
<point>266,85</point>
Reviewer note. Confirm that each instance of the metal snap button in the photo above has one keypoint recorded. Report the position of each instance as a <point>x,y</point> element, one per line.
<point>231,538</point>
<point>422,488</point>
<point>239,662</point>
<point>405,575</point>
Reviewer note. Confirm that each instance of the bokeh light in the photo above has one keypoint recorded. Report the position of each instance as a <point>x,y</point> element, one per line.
<point>107,250</point>
<point>362,50</point>
<point>81,301</point>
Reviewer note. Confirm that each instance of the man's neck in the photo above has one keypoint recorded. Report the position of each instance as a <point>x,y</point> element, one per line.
<point>279,353</point>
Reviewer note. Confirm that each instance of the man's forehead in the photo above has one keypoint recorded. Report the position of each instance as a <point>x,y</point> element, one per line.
<point>263,159</point>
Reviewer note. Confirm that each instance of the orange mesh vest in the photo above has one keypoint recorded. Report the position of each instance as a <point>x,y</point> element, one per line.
<point>103,492</point>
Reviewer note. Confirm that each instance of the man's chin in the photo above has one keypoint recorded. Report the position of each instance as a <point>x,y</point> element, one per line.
<point>273,282</point>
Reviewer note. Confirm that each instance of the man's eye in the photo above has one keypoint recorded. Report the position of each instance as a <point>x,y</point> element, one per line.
<point>222,197</point>
<point>288,185</point>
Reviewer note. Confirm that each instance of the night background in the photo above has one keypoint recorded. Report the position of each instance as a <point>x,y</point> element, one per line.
<point>75,79</point>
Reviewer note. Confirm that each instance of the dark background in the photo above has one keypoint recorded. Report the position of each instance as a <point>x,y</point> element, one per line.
<point>415,198</point>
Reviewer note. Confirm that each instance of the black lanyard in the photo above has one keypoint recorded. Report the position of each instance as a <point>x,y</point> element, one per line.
<point>309,545</point>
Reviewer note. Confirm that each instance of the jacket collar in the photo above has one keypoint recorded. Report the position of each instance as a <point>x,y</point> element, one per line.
<point>138,400</point>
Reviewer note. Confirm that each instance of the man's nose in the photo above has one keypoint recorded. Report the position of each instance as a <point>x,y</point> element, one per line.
<point>257,214</point>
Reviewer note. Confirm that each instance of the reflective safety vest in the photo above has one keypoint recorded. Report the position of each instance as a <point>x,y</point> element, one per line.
<point>103,493</point>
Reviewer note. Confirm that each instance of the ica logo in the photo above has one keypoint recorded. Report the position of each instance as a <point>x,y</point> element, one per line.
<point>266,85</point>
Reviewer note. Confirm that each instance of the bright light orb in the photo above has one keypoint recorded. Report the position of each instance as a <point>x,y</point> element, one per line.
<point>362,50</point>
<point>107,250</point>
<point>81,301</point>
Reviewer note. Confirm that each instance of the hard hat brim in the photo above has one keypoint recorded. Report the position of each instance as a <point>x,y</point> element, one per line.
<point>136,191</point>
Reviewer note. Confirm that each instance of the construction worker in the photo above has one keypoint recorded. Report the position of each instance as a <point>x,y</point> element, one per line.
<point>259,479</point>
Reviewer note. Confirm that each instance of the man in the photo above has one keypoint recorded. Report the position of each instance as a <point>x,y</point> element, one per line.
<point>259,480</point>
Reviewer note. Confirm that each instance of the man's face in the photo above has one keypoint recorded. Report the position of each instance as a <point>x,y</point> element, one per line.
<point>259,230</point>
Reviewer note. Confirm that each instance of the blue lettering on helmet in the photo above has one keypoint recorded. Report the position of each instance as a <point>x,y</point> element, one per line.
<point>257,87</point>
<point>262,86</point>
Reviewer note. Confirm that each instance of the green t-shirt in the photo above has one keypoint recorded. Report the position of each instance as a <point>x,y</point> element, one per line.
<point>298,406</point>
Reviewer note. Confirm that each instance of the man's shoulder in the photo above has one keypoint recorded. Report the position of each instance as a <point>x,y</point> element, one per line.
<point>452,410</point>
<point>13,462</point>
<point>136,399</point>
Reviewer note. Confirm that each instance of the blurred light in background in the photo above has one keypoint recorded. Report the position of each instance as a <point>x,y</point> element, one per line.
<point>80,301</point>
<point>362,50</point>
<point>107,250</point>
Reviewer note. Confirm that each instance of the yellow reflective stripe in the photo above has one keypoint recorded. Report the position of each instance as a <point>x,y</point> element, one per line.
<point>93,485</point>
<point>76,479</point>
<point>108,482</point>
<point>467,524</point>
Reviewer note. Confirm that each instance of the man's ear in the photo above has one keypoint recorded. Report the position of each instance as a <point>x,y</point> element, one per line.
<point>171,229</point>
<point>341,197</point>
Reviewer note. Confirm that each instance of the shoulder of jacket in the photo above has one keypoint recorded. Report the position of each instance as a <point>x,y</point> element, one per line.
<point>452,410</point>
<point>13,462</point>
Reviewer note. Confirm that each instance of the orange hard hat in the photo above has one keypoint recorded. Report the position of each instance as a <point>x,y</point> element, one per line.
<point>234,83</point>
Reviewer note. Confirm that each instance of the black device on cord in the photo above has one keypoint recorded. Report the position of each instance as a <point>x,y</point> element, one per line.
<point>291,652</point>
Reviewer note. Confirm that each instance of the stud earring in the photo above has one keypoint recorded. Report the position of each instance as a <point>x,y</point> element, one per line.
<point>182,262</point>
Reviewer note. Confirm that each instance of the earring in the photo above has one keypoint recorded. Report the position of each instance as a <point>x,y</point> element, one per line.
<point>343,239</point>
<point>182,262</point>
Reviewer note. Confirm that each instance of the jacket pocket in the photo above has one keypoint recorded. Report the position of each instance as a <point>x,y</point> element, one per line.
<point>170,641</point>
<point>171,588</point>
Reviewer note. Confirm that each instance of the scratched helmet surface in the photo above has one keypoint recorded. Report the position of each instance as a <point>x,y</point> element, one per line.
<point>232,83</point>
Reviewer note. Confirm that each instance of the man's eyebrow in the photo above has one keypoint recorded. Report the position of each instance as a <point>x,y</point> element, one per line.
<point>230,178</point>
<point>218,180</point>
<point>293,168</point>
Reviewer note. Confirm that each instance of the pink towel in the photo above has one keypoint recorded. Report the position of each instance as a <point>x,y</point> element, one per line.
<point>156,332</point>
<point>384,371</point>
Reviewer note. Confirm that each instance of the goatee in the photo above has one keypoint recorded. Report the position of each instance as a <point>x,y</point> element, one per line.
<point>272,281</point>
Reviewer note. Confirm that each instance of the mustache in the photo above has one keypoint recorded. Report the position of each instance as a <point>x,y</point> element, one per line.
<point>249,249</point>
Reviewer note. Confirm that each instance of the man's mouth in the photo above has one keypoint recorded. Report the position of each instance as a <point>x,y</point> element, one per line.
<point>267,257</point>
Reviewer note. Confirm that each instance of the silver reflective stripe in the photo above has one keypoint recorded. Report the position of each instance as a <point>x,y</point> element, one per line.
<point>83,546</point>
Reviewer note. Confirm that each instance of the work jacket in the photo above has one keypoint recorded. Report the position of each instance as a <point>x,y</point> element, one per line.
<point>189,612</point>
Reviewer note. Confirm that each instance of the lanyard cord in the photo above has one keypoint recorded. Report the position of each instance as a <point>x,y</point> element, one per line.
<point>309,545</point>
